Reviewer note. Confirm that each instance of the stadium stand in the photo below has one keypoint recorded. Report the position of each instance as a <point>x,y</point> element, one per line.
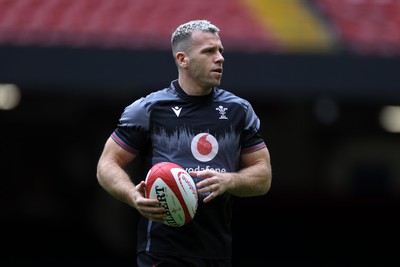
<point>366,27</point>
<point>294,24</point>
<point>140,24</point>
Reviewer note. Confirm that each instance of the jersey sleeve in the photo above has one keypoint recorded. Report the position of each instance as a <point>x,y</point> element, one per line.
<point>133,127</point>
<point>251,139</point>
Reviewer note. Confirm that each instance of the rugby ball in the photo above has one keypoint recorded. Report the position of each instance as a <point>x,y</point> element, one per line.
<point>176,191</point>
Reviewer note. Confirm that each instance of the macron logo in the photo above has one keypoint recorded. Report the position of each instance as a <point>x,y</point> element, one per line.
<point>177,110</point>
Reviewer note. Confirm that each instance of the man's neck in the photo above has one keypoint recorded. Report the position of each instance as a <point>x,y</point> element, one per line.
<point>192,89</point>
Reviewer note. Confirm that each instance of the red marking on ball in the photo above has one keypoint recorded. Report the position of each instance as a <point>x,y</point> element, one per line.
<point>175,190</point>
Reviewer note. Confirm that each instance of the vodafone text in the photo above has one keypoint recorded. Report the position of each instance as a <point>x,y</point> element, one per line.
<point>198,168</point>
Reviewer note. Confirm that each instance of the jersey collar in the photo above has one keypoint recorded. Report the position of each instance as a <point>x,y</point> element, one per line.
<point>175,85</point>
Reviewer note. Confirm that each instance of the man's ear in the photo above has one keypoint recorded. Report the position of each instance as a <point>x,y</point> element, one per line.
<point>181,59</point>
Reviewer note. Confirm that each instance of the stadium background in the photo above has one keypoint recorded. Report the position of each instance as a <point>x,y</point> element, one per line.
<point>319,74</point>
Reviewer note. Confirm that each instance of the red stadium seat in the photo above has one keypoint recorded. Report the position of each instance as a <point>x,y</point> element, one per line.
<point>364,26</point>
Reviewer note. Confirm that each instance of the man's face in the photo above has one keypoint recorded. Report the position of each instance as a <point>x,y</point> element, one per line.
<point>205,59</point>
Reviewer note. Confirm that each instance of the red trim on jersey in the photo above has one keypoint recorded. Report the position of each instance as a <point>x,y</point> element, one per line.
<point>253,148</point>
<point>123,145</point>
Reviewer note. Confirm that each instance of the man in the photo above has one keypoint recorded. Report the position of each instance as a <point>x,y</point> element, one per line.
<point>208,131</point>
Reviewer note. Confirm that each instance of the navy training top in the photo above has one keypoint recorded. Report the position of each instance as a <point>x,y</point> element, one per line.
<point>195,132</point>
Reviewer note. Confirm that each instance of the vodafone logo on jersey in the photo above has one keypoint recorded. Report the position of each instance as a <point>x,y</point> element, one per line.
<point>204,147</point>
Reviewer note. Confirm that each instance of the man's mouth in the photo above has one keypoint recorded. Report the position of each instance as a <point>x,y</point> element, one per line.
<point>218,70</point>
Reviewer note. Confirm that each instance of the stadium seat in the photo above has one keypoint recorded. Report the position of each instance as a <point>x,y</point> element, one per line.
<point>363,26</point>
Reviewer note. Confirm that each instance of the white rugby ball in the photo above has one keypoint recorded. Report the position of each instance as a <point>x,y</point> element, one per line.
<point>176,191</point>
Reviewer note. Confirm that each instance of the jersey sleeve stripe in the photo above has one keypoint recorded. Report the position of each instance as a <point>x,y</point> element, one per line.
<point>253,148</point>
<point>123,145</point>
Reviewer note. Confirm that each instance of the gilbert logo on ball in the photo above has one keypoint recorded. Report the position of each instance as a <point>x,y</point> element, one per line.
<point>176,191</point>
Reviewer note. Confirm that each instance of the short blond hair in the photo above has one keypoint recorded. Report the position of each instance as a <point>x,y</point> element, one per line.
<point>183,32</point>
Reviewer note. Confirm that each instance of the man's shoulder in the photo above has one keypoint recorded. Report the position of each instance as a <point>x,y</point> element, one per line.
<point>229,96</point>
<point>166,93</point>
<point>154,97</point>
<point>141,107</point>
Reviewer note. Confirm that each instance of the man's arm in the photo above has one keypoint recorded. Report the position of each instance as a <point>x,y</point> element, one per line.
<point>112,176</point>
<point>255,177</point>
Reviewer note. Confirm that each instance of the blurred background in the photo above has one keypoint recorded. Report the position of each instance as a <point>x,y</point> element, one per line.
<point>323,76</point>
